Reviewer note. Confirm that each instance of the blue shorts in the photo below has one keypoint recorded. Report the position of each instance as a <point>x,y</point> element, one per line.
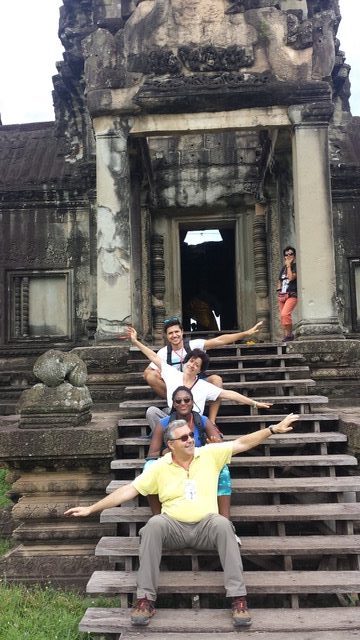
<point>224,484</point>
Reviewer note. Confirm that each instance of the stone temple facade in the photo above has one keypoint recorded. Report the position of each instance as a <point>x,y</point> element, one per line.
<point>174,116</point>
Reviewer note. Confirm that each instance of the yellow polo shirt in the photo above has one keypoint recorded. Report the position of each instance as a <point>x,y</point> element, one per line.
<point>187,496</point>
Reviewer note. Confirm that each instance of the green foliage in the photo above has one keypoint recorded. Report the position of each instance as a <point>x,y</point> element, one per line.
<point>43,613</point>
<point>5,546</point>
<point>4,487</point>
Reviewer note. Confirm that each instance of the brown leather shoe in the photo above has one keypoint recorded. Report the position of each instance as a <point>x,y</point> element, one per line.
<point>142,611</point>
<point>240,614</point>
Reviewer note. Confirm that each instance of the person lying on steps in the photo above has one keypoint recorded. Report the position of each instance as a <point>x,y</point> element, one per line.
<point>178,347</point>
<point>195,363</point>
<point>186,481</point>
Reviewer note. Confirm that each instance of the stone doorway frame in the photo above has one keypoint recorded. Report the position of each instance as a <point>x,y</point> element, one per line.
<point>312,198</point>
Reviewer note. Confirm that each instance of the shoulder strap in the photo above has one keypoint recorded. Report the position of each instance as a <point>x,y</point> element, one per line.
<point>187,345</point>
<point>168,354</point>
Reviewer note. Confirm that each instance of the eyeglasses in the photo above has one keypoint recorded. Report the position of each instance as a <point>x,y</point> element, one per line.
<point>290,253</point>
<point>185,437</point>
<point>182,400</point>
<point>172,320</point>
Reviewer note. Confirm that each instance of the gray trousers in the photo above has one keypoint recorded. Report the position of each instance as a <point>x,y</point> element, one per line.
<point>213,532</point>
<point>154,415</point>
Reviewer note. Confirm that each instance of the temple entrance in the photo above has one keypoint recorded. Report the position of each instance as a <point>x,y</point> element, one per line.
<point>208,278</point>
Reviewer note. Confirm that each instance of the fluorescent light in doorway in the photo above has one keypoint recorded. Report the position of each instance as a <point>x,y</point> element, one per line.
<point>203,235</point>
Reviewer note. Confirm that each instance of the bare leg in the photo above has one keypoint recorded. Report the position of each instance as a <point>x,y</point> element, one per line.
<point>155,381</point>
<point>214,406</point>
<point>224,506</point>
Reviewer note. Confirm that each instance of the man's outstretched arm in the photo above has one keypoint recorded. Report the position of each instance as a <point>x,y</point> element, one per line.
<point>244,443</point>
<point>123,494</point>
<point>229,338</point>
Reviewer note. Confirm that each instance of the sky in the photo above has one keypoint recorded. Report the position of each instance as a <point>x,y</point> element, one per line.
<point>30,48</point>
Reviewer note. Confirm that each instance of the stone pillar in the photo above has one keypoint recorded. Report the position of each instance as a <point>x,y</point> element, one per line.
<point>113,227</point>
<point>317,310</point>
<point>260,268</point>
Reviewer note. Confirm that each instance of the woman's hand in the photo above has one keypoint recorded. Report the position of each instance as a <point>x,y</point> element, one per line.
<point>78,512</point>
<point>255,329</point>
<point>131,333</point>
<point>263,405</point>
<point>212,439</point>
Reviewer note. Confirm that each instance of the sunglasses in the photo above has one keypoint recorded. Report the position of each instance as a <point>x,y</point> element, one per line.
<point>182,400</point>
<point>172,320</point>
<point>289,254</point>
<point>185,437</point>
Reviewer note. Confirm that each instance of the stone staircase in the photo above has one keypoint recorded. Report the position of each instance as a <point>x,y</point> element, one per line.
<point>294,507</point>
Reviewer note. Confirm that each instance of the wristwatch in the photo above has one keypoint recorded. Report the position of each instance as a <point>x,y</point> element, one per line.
<point>272,430</point>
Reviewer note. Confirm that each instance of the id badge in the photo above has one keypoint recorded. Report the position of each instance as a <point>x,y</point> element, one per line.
<point>190,490</point>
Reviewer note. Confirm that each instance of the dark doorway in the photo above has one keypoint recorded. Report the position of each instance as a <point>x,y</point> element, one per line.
<point>208,279</point>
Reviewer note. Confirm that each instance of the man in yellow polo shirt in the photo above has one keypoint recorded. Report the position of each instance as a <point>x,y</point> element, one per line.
<point>186,481</point>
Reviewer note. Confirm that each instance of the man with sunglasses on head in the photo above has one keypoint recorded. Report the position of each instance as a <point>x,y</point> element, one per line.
<point>186,481</point>
<point>176,352</point>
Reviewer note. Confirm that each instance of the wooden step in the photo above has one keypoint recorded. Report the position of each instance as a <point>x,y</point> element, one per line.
<point>324,484</point>
<point>257,385</point>
<point>254,513</point>
<point>275,400</point>
<point>271,347</point>
<point>244,419</point>
<point>337,623</point>
<point>257,582</point>
<point>116,548</point>
<point>216,359</point>
<point>263,461</point>
<point>240,371</point>
<point>278,440</point>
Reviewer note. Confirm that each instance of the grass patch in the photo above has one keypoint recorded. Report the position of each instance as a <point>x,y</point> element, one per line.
<point>43,613</point>
<point>4,487</point>
<point>5,546</point>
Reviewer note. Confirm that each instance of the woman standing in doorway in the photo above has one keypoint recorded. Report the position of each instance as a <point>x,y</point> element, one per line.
<point>287,292</point>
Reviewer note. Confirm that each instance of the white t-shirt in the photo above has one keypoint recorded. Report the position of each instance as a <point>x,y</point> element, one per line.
<point>201,390</point>
<point>177,357</point>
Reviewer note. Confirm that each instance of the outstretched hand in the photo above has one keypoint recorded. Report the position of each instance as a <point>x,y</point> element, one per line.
<point>263,405</point>
<point>285,424</point>
<point>255,329</point>
<point>78,512</point>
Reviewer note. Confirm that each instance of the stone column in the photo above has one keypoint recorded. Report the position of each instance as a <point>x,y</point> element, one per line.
<point>317,310</point>
<point>260,268</point>
<point>113,226</point>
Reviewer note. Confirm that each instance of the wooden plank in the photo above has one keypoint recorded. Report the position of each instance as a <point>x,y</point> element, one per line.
<point>266,635</point>
<point>304,417</point>
<point>257,582</point>
<point>258,358</point>
<point>277,400</point>
<point>254,513</point>
<point>344,619</point>
<point>281,485</point>
<point>253,384</point>
<point>263,461</point>
<point>290,439</point>
<point>117,547</point>
<point>237,371</point>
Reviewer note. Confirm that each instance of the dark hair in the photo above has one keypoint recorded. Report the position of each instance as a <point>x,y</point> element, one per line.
<point>171,322</point>
<point>182,388</point>
<point>288,248</point>
<point>198,353</point>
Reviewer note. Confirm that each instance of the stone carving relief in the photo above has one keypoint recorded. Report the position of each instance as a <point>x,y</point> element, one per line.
<point>158,286</point>
<point>299,32</point>
<point>239,6</point>
<point>212,58</point>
